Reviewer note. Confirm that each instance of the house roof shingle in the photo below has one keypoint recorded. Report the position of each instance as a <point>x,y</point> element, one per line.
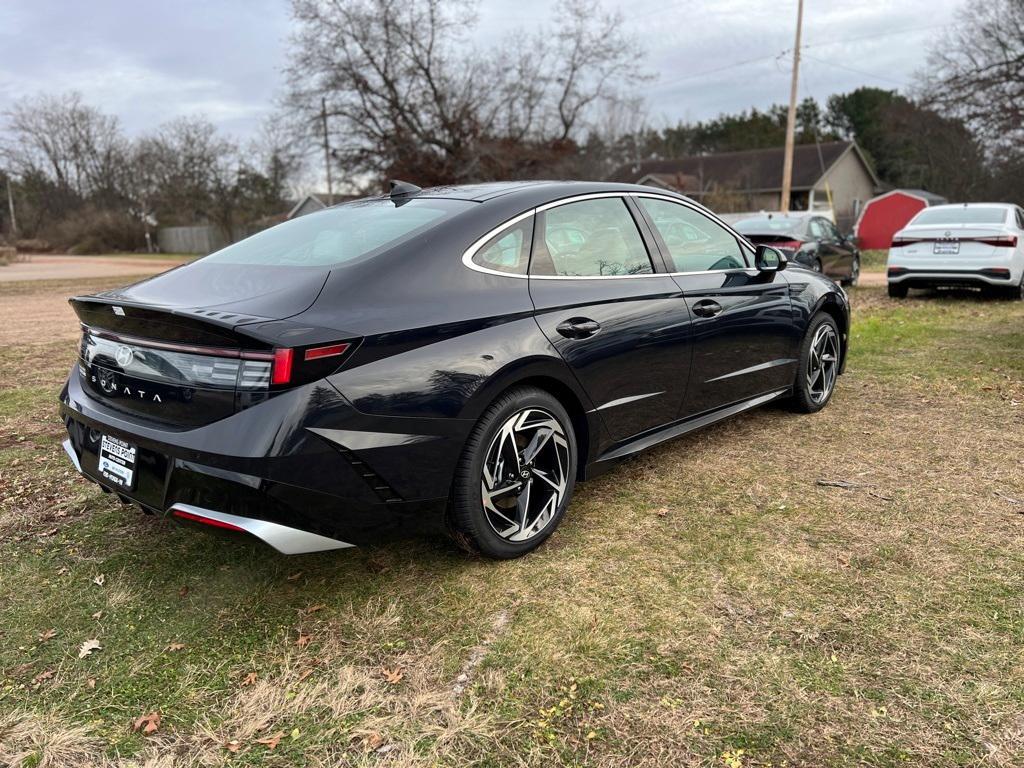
<point>748,170</point>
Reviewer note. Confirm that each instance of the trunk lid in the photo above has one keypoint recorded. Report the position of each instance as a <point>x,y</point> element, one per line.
<point>952,247</point>
<point>192,345</point>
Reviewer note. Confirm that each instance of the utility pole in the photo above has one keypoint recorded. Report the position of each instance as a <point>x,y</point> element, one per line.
<point>10,205</point>
<point>787,163</point>
<point>327,150</point>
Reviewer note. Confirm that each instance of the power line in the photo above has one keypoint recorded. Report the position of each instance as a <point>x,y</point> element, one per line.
<point>900,83</point>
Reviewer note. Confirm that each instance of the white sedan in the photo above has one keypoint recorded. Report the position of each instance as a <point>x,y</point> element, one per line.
<point>978,245</point>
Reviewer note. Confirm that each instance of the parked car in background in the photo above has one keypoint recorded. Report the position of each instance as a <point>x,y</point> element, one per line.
<point>977,245</point>
<point>808,240</point>
<point>442,358</point>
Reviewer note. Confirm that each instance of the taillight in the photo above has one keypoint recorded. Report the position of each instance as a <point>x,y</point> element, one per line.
<point>896,271</point>
<point>281,371</point>
<point>899,242</point>
<point>294,366</point>
<point>789,245</point>
<point>1000,241</point>
<point>333,350</point>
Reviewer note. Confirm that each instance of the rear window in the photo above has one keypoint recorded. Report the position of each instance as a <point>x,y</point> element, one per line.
<point>966,215</point>
<point>764,226</point>
<point>339,235</point>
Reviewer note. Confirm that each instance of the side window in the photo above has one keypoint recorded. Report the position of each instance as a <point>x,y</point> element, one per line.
<point>695,242</point>
<point>817,229</point>
<point>509,250</point>
<point>830,229</point>
<point>591,238</point>
<point>1020,219</point>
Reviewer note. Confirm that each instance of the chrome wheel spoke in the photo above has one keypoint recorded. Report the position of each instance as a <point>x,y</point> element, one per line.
<point>524,477</point>
<point>822,363</point>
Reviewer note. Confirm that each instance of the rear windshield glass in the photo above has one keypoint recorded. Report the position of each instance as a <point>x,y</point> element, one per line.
<point>764,226</point>
<point>335,236</point>
<point>961,216</point>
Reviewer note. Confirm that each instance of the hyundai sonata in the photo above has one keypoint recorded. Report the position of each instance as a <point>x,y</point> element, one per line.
<point>441,359</point>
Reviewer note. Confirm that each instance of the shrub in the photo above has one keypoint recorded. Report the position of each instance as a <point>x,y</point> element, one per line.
<point>90,230</point>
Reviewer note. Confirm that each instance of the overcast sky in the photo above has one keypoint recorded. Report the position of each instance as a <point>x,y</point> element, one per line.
<point>150,61</point>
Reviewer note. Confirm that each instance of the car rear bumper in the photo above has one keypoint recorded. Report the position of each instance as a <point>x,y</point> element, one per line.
<point>299,478</point>
<point>926,278</point>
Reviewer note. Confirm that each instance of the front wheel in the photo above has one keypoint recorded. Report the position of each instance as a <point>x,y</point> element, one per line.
<point>516,475</point>
<point>854,277</point>
<point>820,354</point>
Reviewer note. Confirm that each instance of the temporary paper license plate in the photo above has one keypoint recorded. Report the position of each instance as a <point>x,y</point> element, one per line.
<point>117,461</point>
<point>947,249</point>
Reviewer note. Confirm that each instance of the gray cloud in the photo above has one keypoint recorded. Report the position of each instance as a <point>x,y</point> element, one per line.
<point>147,61</point>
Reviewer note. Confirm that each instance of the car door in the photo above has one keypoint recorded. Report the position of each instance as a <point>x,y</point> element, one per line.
<point>745,337</point>
<point>622,327</point>
<point>843,264</point>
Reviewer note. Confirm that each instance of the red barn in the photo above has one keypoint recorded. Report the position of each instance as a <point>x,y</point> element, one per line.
<point>885,215</point>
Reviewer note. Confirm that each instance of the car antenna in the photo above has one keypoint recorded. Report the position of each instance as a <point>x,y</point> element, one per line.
<point>402,188</point>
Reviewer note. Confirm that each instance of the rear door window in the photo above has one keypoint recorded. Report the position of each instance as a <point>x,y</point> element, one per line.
<point>590,238</point>
<point>695,243</point>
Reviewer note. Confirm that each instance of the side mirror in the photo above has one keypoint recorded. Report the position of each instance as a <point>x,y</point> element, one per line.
<point>768,259</point>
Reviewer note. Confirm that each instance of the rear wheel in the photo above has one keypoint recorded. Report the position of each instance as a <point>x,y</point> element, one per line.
<point>818,366</point>
<point>516,475</point>
<point>897,291</point>
<point>1016,293</point>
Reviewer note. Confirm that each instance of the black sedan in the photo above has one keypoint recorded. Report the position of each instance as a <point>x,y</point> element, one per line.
<point>808,240</point>
<point>444,359</point>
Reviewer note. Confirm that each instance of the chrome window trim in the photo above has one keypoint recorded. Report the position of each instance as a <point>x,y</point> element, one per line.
<point>467,257</point>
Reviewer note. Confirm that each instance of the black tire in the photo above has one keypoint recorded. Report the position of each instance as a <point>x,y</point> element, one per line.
<point>897,291</point>
<point>470,525</point>
<point>1016,293</point>
<point>803,399</point>
<point>854,277</point>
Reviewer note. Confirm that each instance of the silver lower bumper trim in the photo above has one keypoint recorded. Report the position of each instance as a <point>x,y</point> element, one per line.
<point>287,541</point>
<point>69,449</point>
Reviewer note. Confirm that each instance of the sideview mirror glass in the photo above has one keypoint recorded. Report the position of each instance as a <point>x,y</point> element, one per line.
<point>768,259</point>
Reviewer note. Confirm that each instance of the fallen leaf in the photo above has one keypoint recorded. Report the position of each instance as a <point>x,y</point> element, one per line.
<point>295,734</point>
<point>372,740</point>
<point>98,615</point>
<point>271,741</point>
<point>233,746</point>
<point>88,647</point>
<point>392,676</point>
<point>91,683</point>
<point>147,723</point>
<point>99,580</point>
<point>303,640</point>
<point>305,673</point>
<point>47,635</point>
<point>249,679</point>
<point>315,608</point>
<point>42,676</point>
<point>174,647</point>
<point>663,512</point>
<point>183,591</point>
<point>294,576</point>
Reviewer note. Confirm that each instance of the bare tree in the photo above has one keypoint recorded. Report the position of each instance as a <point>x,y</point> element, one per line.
<point>408,96</point>
<point>977,73</point>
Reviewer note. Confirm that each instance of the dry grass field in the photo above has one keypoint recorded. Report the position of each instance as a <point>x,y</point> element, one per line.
<point>839,589</point>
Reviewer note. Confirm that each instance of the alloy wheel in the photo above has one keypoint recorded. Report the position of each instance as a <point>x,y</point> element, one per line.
<point>823,363</point>
<point>525,474</point>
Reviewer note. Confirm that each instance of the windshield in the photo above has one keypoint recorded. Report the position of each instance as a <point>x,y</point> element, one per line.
<point>961,215</point>
<point>335,236</point>
<point>764,225</point>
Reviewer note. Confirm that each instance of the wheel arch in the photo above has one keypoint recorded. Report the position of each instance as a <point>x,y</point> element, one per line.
<point>829,304</point>
<point>552,377</point>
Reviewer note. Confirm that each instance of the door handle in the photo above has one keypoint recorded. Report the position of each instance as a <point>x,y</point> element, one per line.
<point>706,308</point>
<point>578,328</point>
